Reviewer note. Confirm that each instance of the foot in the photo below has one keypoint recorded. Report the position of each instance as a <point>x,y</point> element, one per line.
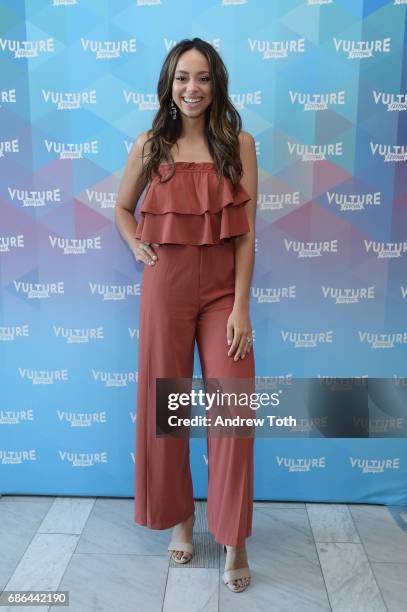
<point>182,533</point>
<point>236,558</point>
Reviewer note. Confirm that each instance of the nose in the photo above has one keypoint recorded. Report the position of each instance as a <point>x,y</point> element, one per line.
<point>195,88</point>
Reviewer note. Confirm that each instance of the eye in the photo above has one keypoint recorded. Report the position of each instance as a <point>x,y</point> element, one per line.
<point>182,78</point>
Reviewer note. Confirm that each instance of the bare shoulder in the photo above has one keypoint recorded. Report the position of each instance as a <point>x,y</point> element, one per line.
<point>246,140</point>
<point>139,144</point>
<point>248,157</point>
<point>248,154</point>
<point>133,181</point>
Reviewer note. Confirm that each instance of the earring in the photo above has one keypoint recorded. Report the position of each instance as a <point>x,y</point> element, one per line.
<point>173,109</point>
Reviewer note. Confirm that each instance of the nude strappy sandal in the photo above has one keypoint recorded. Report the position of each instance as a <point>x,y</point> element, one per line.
<point>233,574</point>
<point>187,547</point>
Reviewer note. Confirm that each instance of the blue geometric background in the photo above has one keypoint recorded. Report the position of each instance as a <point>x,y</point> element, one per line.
<point>321,86</point>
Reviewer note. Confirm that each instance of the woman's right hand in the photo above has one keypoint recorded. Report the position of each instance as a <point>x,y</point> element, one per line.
<point>144,253</point>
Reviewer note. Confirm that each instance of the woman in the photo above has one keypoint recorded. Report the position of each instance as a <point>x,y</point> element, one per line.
<point>196,239</point>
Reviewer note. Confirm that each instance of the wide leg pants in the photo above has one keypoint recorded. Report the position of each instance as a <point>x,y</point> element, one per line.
<point>188,295</point>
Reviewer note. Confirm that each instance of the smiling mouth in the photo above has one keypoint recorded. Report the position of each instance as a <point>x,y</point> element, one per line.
<point>192,101</point>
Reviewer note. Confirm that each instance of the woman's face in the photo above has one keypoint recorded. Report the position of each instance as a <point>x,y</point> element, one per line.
<point>192,81</point>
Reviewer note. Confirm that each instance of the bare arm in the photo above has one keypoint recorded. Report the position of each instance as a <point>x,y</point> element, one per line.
<point>239,326</point>
<point>131,187</point>
<point>244,245</point>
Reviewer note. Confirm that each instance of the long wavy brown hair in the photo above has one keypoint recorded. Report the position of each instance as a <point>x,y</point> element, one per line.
<point>222,121</point>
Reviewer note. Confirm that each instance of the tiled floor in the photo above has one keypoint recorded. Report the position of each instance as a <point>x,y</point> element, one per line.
<point>302,557</point>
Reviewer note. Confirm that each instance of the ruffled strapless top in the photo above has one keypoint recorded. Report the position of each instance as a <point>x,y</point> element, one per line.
<point>190,208</point>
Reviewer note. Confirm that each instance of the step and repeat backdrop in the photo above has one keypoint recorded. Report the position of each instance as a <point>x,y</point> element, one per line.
<point>321,86</point>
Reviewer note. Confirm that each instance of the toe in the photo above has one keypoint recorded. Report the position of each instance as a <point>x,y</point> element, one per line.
<point>180,555</point>
<point>238,583</point>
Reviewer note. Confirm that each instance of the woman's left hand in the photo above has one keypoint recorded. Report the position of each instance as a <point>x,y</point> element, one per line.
<point>238,330</point>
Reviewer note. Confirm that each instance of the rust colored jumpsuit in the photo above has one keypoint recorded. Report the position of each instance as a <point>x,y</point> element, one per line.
<point>188,295</point>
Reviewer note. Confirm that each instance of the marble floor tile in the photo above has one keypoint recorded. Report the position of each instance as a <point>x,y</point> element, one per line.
<point>282,580</point>
<point>93,548</point>
<point>289,527</point>
<point>67,515</point>
<point>349,578</point>
<point>110,528</point>
<point>283,562</point>
<point>19,521</point>
<point>382,537</point>
<point>114,583</point>
<point>392,581</point>
<point>192,590</point>
<point>332,523</point>
<point>42,565</point>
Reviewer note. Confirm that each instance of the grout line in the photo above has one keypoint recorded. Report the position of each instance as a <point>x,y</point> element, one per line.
<point>74,550</point>
<point>218,551</point>
<point>318,559</point>
<point>166,582</point>
<point>29,543</point>
<point>367,556</point>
